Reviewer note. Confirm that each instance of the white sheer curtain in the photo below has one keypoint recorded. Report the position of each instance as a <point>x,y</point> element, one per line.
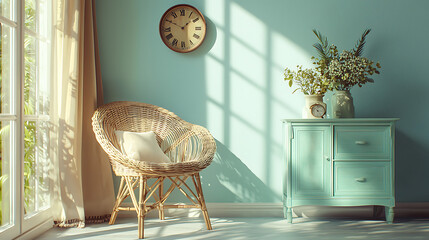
<point>83,185</point>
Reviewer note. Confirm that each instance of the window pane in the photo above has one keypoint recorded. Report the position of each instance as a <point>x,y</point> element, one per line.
<point>44,18</point>
<point>5,158</point>
<point>41,170</point>
<point>36,107</point>
<point>43,76</point>
<point>35,166</point>
<point>30,75</point>
<point>29,165</point>
<point>30,14</point>
<point>6,9</point>
<point>5,68</point>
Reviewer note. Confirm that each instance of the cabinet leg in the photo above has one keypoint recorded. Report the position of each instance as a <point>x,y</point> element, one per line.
<point>284,212</point>
<point>289,214</point>
<point>389,214</point>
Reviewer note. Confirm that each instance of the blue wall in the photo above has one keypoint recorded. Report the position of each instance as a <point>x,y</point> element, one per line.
<point>233,84</point>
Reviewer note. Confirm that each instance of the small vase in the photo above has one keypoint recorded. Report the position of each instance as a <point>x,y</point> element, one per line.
<point>309,101</point>
<point>342,104</point>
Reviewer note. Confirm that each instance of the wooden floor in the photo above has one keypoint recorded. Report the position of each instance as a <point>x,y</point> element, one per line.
<point>248,228</point>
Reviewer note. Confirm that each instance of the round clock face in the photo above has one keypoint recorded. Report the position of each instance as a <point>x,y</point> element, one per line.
<point>182,28</point>
<point>317,110</point>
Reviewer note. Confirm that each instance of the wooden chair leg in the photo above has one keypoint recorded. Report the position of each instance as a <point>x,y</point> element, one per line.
<point>161,205</point>
<point>142,206</point>
<point>202,201</point>
<point>119,199</point>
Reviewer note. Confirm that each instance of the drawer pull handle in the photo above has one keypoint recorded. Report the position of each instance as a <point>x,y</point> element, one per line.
<point>361,142</point>
<point>360,179</point>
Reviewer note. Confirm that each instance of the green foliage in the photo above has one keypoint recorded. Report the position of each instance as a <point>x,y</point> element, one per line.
<point>308,80</point>
<point>358,50</point>
<point>323,50</point>
<point>344,70</point>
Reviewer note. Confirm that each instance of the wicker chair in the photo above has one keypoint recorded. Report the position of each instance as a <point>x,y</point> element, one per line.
<point>190,148</point>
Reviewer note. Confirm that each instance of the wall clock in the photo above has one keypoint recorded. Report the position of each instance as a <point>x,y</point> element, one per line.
<point>182,28</point>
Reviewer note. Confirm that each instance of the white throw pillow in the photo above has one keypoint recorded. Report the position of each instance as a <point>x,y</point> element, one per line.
<point>141,146</point>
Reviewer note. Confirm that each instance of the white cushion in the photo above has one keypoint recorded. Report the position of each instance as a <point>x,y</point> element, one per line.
<point>141,146</point>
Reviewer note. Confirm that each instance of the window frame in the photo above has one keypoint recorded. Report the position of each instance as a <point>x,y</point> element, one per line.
<point>19,223</point>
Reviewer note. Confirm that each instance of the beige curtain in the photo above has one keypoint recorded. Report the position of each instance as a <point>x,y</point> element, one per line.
<point>83,185</point>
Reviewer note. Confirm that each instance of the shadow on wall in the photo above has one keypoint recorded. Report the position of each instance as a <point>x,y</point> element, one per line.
<point>233,181</point>
<point>409,169</point>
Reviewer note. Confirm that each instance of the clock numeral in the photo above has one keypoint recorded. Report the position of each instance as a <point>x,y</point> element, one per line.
<point>182,44</point>
<point>174,14</point>
<point>174,42</point>
<point>182,12</point>
<point>196,36</point>
<point>167,29</point>
<point>169,36</point>
<point>190,41</point>
<point>190,15</point>
<point>197,28</point>
<point>195,20</point>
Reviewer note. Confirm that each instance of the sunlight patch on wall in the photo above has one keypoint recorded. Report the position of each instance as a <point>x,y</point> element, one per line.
<point>248,63</point>
<point>248,29</point>
<point>215,10</point>
<point>286,53</point>
<point>247,101</point>
<point>214,76</point>
<point>249,146</point>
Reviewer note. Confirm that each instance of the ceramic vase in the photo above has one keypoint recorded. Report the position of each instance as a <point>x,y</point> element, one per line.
<point>342,104</point>
<point>309,101</point>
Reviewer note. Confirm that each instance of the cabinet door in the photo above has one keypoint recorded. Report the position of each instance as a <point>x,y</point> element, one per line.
<point>311,161</point>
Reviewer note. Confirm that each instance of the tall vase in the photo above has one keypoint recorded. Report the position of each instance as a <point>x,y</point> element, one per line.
<point>342,104</point>
<point>309,101</point>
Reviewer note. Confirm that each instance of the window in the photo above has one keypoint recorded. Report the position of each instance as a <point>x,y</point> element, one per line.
<point>25,27</point>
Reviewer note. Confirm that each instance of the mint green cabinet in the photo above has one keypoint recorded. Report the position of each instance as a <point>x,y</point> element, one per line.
<point>339,162</point>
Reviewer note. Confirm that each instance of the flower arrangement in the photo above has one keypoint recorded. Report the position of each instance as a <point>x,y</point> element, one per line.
<point>308,80</point>
<point>345,70</point>
<point>333,71</point>
<point>348,70</point>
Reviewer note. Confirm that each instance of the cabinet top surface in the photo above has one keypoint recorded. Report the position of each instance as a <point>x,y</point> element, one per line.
<point>340,120</point>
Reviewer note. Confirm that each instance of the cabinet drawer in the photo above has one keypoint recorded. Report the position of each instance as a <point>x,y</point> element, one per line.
<point>362,142</point>
<point>362,179</point>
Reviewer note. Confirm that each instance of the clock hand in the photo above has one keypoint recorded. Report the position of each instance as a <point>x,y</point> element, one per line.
<point>172,23</point>
<point>185,25</point>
